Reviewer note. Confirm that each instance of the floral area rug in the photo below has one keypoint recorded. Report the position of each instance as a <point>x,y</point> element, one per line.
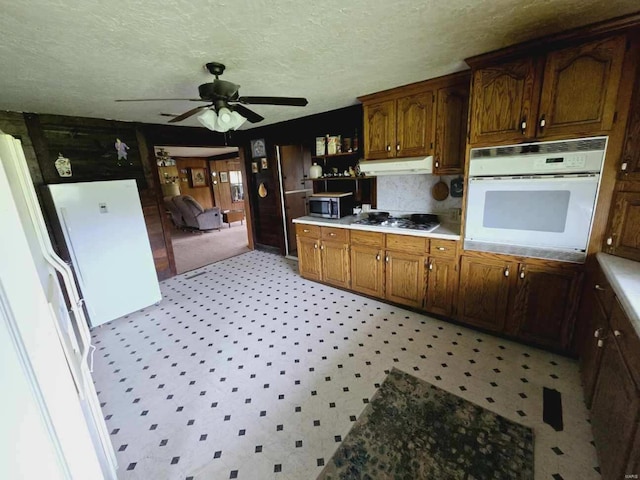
<point>412,430</point>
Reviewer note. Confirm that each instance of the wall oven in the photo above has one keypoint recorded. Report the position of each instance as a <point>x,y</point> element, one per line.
<point>535,200</point>
<point>331,205</point>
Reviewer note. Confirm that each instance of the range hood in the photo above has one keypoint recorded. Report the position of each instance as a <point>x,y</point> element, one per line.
<point>398,166</point>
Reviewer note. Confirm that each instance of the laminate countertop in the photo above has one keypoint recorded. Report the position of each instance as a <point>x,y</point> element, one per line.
<point>624,277</point>
<point>446,231</point>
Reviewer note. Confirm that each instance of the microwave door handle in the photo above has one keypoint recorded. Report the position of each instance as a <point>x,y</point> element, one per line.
<point>334,207</point>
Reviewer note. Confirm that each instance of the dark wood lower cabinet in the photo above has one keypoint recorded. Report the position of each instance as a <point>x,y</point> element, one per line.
<point>544,302</point>
<point>591,351</point>
<point>442,282</point>
<point>625,225</point>
<point>614,413</point>
<point>484,292</point>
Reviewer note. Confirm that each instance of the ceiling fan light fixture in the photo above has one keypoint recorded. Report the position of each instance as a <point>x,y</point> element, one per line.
<point>208,119</point>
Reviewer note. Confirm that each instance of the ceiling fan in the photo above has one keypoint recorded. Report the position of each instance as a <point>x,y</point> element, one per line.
<point>229,110</point>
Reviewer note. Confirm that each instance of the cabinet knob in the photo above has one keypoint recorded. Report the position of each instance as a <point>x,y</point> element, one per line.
<point>600,344</point>
<point>617,333</point>
<point>388,148</point>
<point>506,271</point>
<point>598,333</point>
<point>321,247</point>
<point>430,266</point>
<point>442,249</point>
<point>315,245</point>
<point>523,125</point>
<point>437,164</point>
<point>386,258</point>
<point>598,287</point>
<point>543,122</point>
<point>522,272</point>
<point>397,147</point>
<point>306,230</point>
<point>377,257</point>
<point>332,234</point>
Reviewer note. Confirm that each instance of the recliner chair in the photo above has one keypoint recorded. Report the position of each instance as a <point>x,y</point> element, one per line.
<point>174,212</point>
<point>195,216</point>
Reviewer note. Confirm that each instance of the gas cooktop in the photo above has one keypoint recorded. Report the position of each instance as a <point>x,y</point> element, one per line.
<point>399,222</point>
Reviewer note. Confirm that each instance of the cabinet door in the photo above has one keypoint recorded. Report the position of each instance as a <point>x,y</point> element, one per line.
<point>484,292</point>
<point>504,102</point>
<point>442,281</point>
<point>414,132</point>
<point>309,261</point>
<point>367,270</point>
<point>404,278</point>
<point>544,304</point>
<point>625,225</point>
<point>614,412</point>
<point>452,107</point>
<point>580,88</point>
<point>591,348</point>
<point>380,130</point>
<point>335,263</point>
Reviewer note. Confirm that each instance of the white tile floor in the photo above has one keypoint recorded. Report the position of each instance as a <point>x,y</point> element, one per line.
<point>245,370</point>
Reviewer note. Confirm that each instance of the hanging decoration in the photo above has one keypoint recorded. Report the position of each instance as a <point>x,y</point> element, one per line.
<point>121,150</point>
<point>262,190</point>
<point>63,165</point>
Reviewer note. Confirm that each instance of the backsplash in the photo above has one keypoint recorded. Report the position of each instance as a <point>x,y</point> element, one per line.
<point>412,194</point>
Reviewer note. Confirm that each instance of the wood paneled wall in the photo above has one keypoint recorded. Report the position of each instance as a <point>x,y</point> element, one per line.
<point>203,195</point>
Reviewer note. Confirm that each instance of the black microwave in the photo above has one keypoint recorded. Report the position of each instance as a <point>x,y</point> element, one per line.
<point>331,205</point>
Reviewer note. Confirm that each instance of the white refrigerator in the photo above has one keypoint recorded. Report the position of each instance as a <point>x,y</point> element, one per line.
<point>108,245</point>
<point>53,426</point>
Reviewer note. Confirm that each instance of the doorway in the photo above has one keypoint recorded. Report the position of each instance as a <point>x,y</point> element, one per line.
<point>223,188</point>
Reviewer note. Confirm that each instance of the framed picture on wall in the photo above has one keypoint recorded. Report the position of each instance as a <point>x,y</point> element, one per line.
<point>264,164</point>
<point>254,167</point>
<point>224,177</point>
<point>197,177</point>
<point>258,148</point>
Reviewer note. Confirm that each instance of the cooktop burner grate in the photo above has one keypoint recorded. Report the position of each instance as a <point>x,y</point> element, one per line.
<point>399,222</point>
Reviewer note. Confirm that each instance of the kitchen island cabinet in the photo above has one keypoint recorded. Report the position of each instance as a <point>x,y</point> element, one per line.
<point>569,92</point>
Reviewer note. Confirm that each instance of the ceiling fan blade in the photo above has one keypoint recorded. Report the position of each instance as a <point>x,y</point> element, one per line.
<point>290,101</point>
<point>161,100</point>
<point>191,112</point>
<point>250,115</point>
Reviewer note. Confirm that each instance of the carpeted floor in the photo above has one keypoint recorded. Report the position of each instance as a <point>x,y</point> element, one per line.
<point>194,250</point>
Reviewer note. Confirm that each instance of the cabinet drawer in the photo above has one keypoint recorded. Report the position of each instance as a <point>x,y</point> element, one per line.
<point>305,230</point>
<point>407,243</point>
<point>443,248</point>
<point>627,340</point>
<point>603,291</point>
<point>372,239</point>
<point>337,234</point>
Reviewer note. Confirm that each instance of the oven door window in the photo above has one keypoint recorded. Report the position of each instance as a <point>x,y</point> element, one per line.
<point>552,212</point>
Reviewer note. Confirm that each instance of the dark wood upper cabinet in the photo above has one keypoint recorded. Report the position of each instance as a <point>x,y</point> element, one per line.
<point>580,88</point>
<point>452,107</point>
<point>414,133</point>
<point>565,92</point>
<point>380,129</point>
<point>624,228</point>
<point>421,119</point>
<point>630,164</point>
<point>504,102</point>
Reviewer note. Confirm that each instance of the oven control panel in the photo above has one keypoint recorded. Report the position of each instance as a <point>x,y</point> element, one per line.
<point>574,161</point>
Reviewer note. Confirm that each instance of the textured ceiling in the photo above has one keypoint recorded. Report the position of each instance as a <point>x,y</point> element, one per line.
<point>74,57</point>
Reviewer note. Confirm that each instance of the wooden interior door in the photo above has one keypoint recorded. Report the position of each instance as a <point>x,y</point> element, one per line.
<point>414,131</point>
<point>625,225</point>
<point>229,186</point>
<point>442,279</point>
<point>380,130</point>
<point>404,278</point>
<point>503,97</point>
<point>580,88</point>
<point>452,107</point>
<point>484,292</point>
<point>544,304</point>
<point>367,270</point>
<point>335,263</point>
